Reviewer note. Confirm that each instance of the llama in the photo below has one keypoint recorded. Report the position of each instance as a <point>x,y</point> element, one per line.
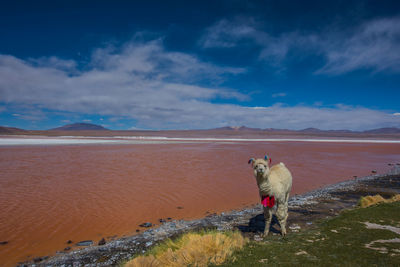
<point>274,186</point>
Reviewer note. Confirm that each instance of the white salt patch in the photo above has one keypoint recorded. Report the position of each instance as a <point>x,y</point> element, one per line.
<point>161,140</point>
<point>382,227</point>
<point>382,249</point>
<point>263,139</point>
<point>301,252</point>
<point>74,141</point>
<point>48,141</point>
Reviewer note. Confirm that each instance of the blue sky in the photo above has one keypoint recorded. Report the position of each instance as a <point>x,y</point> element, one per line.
<point>200,64</point>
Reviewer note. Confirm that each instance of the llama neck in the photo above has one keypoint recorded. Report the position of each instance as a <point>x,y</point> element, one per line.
<point>262,178</point>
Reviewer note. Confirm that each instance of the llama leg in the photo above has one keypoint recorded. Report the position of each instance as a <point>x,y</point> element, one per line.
<point>268,218</point>
<point>282,214</point>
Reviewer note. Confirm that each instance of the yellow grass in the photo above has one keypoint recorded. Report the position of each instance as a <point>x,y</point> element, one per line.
<point>193,249</point>
<point>377,199</point>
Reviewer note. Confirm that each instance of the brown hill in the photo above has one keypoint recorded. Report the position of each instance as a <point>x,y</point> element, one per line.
<point>10,130</point>
<point>391,130</point>
<point>80,127</point>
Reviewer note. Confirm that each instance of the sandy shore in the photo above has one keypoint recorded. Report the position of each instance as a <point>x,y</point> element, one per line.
<point>304,210</point>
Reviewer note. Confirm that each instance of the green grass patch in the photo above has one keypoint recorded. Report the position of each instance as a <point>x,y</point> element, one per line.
<point>340,241</point>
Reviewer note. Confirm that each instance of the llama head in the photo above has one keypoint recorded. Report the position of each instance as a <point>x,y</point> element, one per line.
<point>260,166</point>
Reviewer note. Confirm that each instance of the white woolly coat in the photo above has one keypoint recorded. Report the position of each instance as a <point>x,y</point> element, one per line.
<point>275,181</point>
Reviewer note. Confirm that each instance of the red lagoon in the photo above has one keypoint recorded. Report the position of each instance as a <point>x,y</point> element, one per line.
<point>52,194</point>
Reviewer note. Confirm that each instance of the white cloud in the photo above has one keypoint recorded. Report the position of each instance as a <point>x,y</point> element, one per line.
<point>257,107</point>
<point>29,113</point>
<point>115,119</point>
<point>373,45</point>
<point>150,61</point>
<point>138,80</point>
<point>240,31</point>
<point>282,94</point>
<point>396,114</point>
<point>54,62</point>
<point>300,117</point>
<point>138,129</point>
<point>159,90</point>
<point>226,33</point>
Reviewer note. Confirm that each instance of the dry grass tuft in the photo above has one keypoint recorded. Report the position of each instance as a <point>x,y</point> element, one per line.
<point>193,249</point>
<point>144,261</point>
<point>395,198</point>
<point>377,199</point>
<point>370,200</point>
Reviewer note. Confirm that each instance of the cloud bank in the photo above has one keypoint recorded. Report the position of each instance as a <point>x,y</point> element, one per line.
<point>161,89</point>
<point>373,45</point>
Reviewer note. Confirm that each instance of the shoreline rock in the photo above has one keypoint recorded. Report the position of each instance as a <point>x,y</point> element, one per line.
<point>84,243</point>
<point>146,225</point>
<point>102,242</point>
<point>303,210</point>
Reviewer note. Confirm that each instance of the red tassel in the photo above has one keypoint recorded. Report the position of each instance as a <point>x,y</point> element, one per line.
<point>268,201</point>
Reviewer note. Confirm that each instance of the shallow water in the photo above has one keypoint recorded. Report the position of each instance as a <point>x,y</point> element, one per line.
<point>51,194</point>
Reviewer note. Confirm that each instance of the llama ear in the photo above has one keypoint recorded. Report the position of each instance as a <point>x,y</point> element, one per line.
<point>250,161</point>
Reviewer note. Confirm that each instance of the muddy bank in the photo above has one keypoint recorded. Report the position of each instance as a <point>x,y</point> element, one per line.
<point>304,210</point>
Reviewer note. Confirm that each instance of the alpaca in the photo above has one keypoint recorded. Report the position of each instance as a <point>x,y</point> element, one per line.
<point>274,186</point>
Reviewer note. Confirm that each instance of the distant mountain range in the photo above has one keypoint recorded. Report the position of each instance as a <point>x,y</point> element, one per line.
<point>237,128</point>
<point>80,127</point>
<point>391,130</point>
<point>315,130</point>
<point>222,130</point>
<point>10,130</point>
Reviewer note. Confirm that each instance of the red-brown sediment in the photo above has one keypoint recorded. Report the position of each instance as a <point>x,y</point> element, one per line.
<point>51,194</point>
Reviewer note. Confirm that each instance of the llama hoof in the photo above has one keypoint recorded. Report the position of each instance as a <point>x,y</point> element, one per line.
<point>265,234</point>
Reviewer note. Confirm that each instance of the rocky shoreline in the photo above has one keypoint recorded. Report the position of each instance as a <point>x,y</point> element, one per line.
<point>304,210</point>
